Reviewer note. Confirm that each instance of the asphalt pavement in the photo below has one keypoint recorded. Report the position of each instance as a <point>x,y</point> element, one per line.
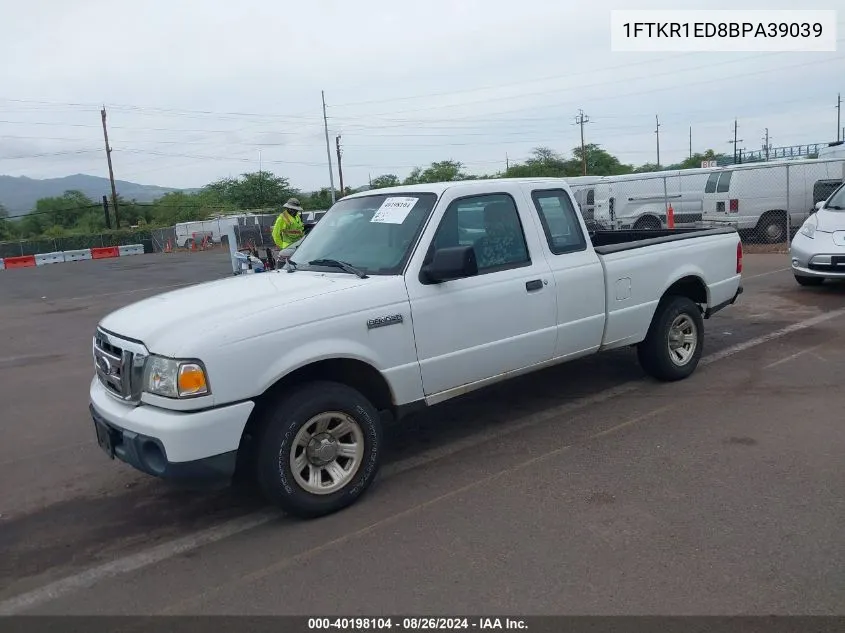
<point>585,488</point>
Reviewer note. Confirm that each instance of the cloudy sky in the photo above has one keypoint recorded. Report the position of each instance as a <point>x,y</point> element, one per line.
<point>199,90</point>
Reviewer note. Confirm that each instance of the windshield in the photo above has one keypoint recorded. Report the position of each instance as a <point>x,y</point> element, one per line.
<point>836,202</point>
<point>372,233</point>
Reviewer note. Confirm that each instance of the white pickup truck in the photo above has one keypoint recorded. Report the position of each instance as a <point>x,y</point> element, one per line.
<point>399,298</point>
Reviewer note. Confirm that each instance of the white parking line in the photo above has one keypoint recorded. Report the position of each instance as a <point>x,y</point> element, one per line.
<point>771,272</point>
<point>164,551</point>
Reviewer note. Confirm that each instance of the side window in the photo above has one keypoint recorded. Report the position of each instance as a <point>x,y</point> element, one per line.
<point>591,196</point>
<point>560,221</point>
<point>489,223</point>
<point>710,187</point>
<point>724,182</point>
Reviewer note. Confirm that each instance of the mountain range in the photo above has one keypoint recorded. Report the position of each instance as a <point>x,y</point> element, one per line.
<point>18,194</point>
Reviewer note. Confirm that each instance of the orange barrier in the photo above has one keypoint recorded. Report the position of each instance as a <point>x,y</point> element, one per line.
<point>670,217</point>
<point>105,252</point>
<point>27,261</point>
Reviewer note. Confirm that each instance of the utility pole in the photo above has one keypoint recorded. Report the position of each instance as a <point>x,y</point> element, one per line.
<point>766,145</point>
<point>507,162</point>
<point>339,168</point>
<point>260,181</point>
<point>657,132</point>
<point>736,140</point>
<point>839,117</point>
<point>106,211</point>
<point>581,119</point>
<point>111,171</point>
<point>328,147</point>
<point>690,142</point>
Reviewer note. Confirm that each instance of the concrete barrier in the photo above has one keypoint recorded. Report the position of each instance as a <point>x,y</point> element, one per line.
<point>105,252</point>
<point>42,259</point>
<point>78,256</point>
<point>27,261</point>
<point>131,249</point>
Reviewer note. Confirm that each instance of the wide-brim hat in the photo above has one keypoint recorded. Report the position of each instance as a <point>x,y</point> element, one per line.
<point>292,204</point>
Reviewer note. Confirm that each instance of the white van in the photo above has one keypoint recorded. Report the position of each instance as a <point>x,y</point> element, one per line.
<point>753,197</point>
<point>640,201</point>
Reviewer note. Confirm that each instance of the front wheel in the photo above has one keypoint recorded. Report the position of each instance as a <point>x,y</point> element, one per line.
<point>675,340</point>
<point>320,450</point>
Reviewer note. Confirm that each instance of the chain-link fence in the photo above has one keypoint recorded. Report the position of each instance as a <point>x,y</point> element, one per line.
<point>765,202</point>
<point>254,231</point>
<point>74,242</point>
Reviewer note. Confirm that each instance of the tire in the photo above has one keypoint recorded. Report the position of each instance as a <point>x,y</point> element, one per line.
<point>675,314</point>
<point>771,228</point>
<point>647,224</point>
<point>299,413</point>
<point>809,281</point>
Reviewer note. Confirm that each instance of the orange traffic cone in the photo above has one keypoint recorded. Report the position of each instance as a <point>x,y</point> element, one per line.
<point>168,247</point>
<point>670,217</point>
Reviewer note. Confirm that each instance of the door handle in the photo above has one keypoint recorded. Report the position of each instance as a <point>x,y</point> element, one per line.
<point>534,284</point>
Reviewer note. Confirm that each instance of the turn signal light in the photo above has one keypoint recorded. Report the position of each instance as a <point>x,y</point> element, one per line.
<point>739,258</point>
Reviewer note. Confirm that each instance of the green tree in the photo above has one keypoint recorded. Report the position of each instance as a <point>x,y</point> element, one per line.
<point>543,163</point>
<point>254,190</point>
<point>65,210</point>
<point>600,162</point>
<point>696,159</point>
<point>385,180</point>
<point>7,227</point>
<point>441,171</point>
<point>647,167</point>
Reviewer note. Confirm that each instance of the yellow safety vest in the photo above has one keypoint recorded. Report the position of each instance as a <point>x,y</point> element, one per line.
<point>287,229</point>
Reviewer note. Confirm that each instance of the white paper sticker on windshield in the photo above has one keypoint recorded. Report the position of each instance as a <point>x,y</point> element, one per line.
<point>394,210</point>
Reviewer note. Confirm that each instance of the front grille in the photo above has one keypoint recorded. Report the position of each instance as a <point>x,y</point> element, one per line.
<point>119,365</point>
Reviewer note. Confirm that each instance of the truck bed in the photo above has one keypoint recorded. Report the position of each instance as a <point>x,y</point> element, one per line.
<point>607,242</point>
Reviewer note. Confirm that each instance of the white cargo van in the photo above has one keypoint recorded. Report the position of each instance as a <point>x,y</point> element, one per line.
<point>640,201</point>
<point>753,197</point>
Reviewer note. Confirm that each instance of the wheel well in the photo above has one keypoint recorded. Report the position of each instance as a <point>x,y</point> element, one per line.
<point>354,373</point>
<point>777,213</point>
<point>691,287</point>
<point>647,220</point>
<point>348,371</point>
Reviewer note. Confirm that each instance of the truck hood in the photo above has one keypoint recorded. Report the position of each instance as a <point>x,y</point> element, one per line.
<point>166,321</point>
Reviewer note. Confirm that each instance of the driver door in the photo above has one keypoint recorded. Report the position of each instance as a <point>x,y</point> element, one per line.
<point>475,329</point>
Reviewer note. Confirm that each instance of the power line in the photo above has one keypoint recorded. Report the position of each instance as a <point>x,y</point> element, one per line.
<point>614,82</point>
<point>617,96</point>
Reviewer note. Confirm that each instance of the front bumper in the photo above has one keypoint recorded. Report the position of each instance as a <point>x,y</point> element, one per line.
<point>169,444</point>
<point>819,256</point>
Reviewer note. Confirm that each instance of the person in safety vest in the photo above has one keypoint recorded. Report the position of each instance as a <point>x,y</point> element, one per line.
<point>288,227</point>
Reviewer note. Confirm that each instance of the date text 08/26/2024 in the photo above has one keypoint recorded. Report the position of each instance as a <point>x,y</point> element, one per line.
<point>415,623</point>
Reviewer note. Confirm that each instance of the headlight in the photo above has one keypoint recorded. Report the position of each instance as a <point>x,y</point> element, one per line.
<point>172,378</point>
<point>808,229</point>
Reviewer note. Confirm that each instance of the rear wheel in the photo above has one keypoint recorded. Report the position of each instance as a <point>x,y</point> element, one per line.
<point>647,224</point>
<point>675,340</point>
<point>771,228</point>
<point>809,281</point>
<point>320,450</point>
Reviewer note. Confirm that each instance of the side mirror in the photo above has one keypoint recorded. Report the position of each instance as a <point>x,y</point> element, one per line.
<point>819,206</point>
<point>450,263</point>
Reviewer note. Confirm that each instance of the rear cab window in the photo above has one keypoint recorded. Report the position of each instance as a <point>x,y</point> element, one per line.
<point>559,220</point>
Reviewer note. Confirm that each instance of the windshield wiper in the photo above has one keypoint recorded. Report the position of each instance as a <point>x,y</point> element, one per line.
<point>336,263</point>
<point>290,265</point>
<point>835,207</point>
